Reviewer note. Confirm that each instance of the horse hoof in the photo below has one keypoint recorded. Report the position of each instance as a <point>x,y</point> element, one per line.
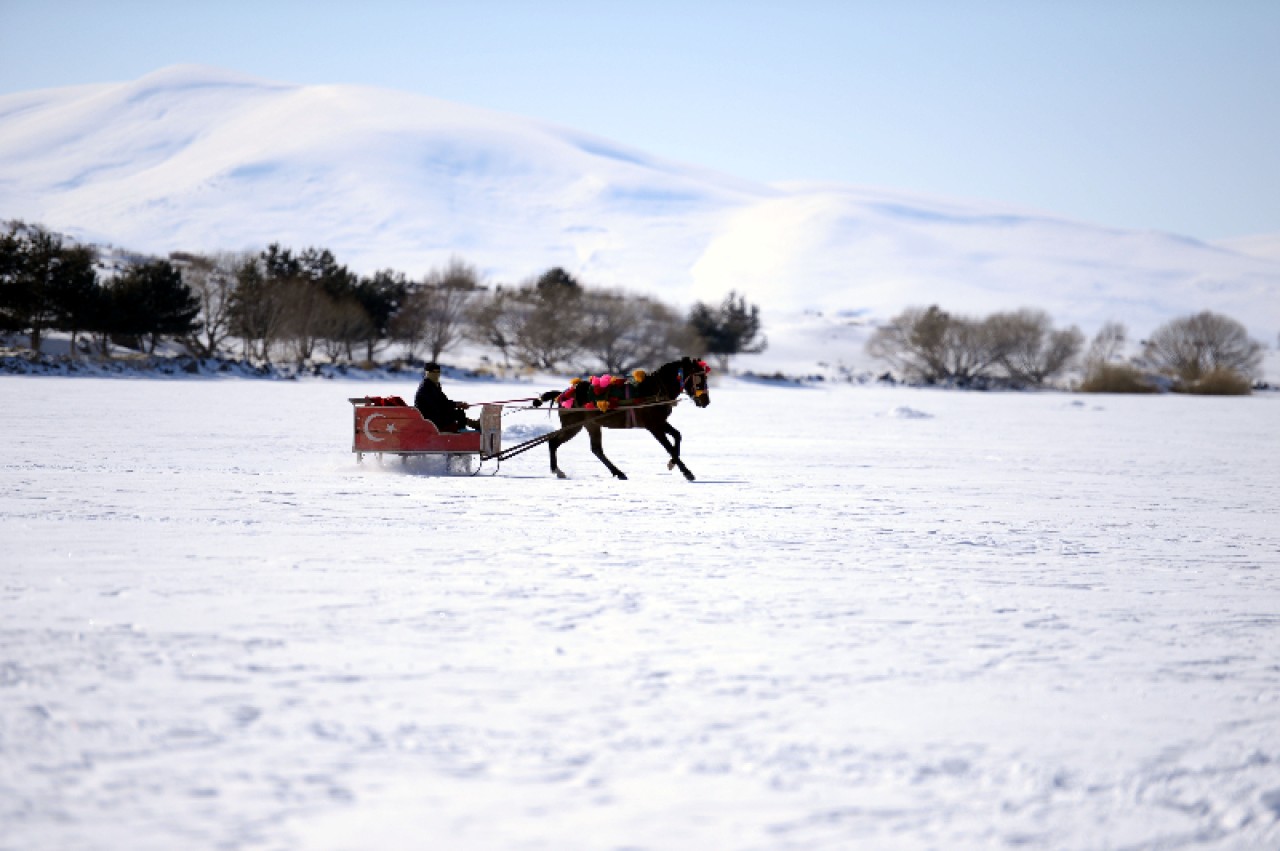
<point>689,476</point>
<point>560,475</point>
<point>671,465</point>
<point>621,475</point>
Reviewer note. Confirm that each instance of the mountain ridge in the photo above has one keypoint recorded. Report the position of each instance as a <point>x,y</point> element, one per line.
<point>200,159</point>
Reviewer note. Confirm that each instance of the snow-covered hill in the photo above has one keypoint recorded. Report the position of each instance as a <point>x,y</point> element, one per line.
<point>1266,245</point>
<point>201,159</point>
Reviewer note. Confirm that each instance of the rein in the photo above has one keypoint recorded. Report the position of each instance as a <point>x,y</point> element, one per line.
<point>505,401</point>
<point>620,408</point>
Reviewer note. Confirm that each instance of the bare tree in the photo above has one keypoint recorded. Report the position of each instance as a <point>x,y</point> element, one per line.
<point>1108,344</point>
<point>972,348</point>
<point>1191,347</point>
<point>306,308</point>
<point>932,345</point>
<point>314,283</point>
<point>623,331</point>
<point>258,309</point>
<point>914,342</point>
<point>1027,346</point>
<point>212,280</point>
<point>545,336</point>
<point>436,312</point>
<point>343,323</point>
<point>540,319</point>
<point>495,318</point>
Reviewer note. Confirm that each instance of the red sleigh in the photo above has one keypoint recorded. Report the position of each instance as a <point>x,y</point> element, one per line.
<point>389,426</point>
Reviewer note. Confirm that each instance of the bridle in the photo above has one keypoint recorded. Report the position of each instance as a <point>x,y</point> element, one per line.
<point>695,383</point>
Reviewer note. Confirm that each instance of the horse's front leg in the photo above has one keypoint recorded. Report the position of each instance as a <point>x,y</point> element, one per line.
<point>597,449</point>
<point>555,443</point>
<point>673,448</point>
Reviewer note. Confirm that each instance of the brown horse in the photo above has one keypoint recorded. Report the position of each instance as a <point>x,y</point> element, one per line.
<point>649,407</point>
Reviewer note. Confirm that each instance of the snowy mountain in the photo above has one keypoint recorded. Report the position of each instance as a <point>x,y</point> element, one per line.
<point>1266,245</point>
<point>200,159</point>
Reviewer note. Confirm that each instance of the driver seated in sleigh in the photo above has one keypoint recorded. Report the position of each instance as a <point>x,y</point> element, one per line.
<point>435,406</point>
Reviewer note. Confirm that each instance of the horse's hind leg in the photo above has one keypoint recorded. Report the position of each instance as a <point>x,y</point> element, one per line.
<point>671,430</point>
<point>672,449</point>
<point>555,443</point>
<point>597,449</point>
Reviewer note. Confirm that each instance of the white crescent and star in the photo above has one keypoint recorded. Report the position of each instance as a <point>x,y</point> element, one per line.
<point>368,421</point>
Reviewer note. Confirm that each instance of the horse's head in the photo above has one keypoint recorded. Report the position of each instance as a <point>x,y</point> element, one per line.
<point>693,380</point>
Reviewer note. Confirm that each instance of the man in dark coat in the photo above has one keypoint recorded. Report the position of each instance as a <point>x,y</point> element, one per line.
<point>437,407</point>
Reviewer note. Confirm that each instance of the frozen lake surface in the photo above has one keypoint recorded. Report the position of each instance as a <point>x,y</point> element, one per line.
<point>880,618</point>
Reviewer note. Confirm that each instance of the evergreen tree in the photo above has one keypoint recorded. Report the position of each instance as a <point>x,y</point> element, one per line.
<point>381,297</point>
<point>77,299</point>
<point>151,301</point>
<point>733,328</point>
<point>12,285</point>
<point>557,282</point>
<point>30,270</point>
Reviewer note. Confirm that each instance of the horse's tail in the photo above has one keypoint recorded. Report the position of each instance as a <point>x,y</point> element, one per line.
<point>549,396</point>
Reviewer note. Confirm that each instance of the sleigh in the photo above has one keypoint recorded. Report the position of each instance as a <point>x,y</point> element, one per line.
<point>387,426</point>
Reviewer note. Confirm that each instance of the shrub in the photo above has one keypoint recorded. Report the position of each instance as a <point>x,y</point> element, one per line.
<point>1218,382</point>
<point>1115,378</point>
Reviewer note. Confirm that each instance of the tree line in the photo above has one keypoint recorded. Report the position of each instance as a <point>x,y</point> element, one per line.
<point>285,305</point>
<point>1203,353</point>
<point>47,285</point>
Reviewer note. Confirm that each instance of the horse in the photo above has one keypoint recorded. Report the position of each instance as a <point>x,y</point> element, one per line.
<point>649,405</point>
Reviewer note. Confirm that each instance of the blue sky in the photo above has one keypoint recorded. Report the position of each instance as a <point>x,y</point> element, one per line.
<point>1148,114</point>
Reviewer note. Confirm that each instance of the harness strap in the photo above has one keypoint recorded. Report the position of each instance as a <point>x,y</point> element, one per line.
<point>631,410</point>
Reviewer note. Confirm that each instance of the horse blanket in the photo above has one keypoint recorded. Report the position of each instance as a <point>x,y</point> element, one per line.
<point>603,392</point>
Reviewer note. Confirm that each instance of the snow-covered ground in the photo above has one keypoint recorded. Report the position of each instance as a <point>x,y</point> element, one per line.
<point>880,618</point>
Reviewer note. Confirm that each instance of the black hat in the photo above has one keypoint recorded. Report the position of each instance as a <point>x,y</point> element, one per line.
<point>431,366</point>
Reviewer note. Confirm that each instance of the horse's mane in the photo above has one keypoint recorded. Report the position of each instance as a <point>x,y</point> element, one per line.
<point>664,381</point>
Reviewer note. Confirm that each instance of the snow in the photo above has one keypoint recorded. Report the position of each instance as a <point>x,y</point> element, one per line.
<point>202,159</point>
<point>1266,246</point>
<point>882,617</point>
